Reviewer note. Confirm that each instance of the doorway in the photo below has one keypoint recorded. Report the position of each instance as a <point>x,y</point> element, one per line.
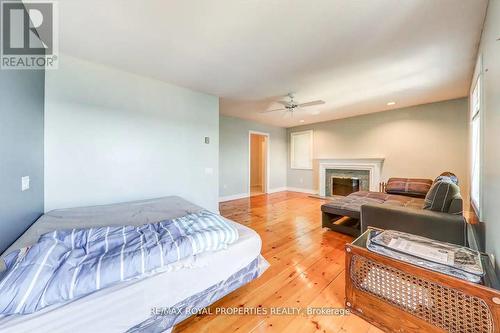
<point>258,160</point>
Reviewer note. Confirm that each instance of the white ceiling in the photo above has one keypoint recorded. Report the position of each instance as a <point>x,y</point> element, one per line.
<point>356,55</point>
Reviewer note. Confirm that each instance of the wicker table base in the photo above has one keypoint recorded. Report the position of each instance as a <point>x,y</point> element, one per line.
<point>400,297</point>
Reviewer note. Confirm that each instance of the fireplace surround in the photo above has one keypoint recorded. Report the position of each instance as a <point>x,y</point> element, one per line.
<point>370,166</point>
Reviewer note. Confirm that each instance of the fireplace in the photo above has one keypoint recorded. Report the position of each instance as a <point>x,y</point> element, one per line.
<point>344,181</point>
<point>368,170</point>
<point>344,185</point>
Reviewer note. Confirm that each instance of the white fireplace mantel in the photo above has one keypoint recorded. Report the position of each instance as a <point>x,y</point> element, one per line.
<point>372,165</point>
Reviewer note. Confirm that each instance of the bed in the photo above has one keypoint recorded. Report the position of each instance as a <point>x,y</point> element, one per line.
<point>129,307</point>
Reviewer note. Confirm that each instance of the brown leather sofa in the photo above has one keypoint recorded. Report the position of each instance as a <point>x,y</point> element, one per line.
<point>426,217</point>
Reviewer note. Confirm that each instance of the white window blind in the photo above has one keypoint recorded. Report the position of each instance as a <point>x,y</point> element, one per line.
<point>301,150</point>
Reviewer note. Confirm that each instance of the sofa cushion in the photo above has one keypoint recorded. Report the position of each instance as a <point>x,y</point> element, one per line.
<point>348,206</point>
<point>408,186</point>
<point>404,201</point>
<point>442,194</point>
<point>351,204</point>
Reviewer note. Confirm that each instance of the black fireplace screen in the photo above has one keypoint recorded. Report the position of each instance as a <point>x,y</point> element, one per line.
<point>344,185</point>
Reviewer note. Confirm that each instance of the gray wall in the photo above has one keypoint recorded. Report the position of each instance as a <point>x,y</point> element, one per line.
<point>234,155</point>
<point>419,141</point>
<point>490,52</point>
<point>21,151</point>
<point>112,136</point>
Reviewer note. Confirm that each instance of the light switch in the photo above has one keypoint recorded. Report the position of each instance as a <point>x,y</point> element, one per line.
<point>209,171</point>
<point>207,140</point>
<point>25,183</point>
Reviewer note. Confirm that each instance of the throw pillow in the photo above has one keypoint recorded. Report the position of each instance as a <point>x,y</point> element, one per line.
<point>441,194</point>
<point>450,175</point>
<point>408,186</point>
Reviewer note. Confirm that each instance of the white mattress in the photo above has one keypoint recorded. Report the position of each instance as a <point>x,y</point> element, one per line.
<point>121,307</point>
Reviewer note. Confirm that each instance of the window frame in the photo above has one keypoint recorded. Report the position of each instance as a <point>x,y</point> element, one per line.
<point>292,150</point>
<point>476,115</point>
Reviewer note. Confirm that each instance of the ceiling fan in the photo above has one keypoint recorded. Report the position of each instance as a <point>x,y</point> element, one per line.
<point>292,105</point>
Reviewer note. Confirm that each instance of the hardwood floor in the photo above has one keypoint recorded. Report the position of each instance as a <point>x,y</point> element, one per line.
<point>306,270</point>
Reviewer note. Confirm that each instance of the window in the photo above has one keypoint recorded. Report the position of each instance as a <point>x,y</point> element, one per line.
<point>301,150</point>
<point>476,145</point>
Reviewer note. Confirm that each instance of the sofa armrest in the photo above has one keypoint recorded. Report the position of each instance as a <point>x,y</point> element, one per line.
<point>435,225</point>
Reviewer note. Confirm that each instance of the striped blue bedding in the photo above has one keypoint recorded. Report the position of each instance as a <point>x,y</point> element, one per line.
<point>68,264</point>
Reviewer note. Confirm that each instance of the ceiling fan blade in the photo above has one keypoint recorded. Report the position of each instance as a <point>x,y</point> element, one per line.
<point>267,111</point>
<point>318,102</point>
<point>284,103</point>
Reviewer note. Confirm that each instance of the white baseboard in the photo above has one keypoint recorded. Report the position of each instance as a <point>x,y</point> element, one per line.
<point>278,189</point>
<point>302,190</point>
<point>234,197</point>
<point>273,190</point>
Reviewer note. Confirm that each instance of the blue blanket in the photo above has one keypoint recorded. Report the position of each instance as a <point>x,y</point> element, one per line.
<point>68,264</point>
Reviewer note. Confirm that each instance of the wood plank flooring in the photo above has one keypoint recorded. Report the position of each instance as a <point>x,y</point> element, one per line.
<point>306,270</point>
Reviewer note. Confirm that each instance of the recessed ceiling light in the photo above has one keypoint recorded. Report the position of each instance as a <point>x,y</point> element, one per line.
<point>302,120</point>
<point>391,103</point>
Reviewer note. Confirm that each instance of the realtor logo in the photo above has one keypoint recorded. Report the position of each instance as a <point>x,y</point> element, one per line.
<point>29,35</point>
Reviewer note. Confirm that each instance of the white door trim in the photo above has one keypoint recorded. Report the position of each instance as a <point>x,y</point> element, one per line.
<point>268,169</point>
